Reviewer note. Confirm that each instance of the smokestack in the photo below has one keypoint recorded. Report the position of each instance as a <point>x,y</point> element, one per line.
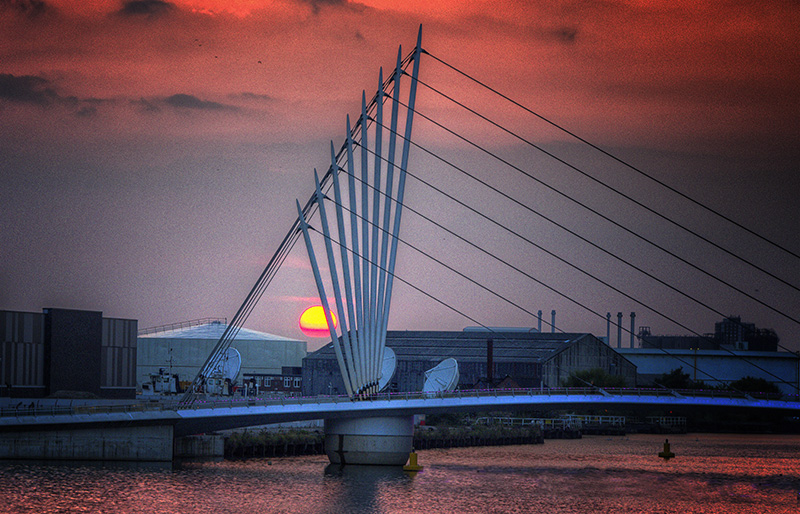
<point>490,361</point>
<point>619,330</point>
<point>540,321</point>
<point>608,328</point>
<point>553,322</point>
<point>633,326</point>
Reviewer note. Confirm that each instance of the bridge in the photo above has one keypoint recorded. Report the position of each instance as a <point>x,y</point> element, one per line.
<point>147,431</point>
<point>370,421</point>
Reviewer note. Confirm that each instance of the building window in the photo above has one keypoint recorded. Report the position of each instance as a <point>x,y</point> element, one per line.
<point>268,382</point>
<point>287,382</point>
<point>297,382</point>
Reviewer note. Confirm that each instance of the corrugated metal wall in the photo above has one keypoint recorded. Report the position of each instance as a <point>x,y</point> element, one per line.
<point>21,350</point>
<point>118,353</point>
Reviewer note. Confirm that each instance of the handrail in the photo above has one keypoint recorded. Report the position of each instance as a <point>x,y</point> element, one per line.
<point>181,324</point>
<point>33,409</point>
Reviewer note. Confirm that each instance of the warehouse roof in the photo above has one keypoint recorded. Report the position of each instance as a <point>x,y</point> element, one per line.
<point>213,330</point>
<point>471,345</point>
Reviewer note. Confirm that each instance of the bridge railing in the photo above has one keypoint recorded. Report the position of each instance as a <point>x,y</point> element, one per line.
<point>35,409</point>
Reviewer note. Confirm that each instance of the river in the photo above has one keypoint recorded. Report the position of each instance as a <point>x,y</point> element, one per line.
<point>723,474</point>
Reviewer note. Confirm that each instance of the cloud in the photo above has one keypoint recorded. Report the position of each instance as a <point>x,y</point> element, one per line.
<point>150,8</point>
<point>246,95</point>
<point>146,105</point>
<point>184,101</point>
<point>86,112</point>
<point>27,89</point>
<point>316,5</point>
<point>29,8</point>
<point>565,34</point>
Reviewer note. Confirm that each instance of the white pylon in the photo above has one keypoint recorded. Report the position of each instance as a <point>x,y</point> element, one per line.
<point>364,310</point>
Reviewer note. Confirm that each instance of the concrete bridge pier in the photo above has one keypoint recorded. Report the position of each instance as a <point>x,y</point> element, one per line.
<point>382,441</point>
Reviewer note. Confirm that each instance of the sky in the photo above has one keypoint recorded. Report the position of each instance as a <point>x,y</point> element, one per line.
<point>151,153</point>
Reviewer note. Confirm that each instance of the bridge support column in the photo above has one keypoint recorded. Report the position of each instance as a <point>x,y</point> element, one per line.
<point>382,441</point>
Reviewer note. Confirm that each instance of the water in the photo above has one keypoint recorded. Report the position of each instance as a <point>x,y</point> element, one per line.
<point>710,474</point>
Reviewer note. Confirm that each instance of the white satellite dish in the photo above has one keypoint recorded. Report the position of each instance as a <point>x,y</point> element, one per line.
<point>442,377</point>
<point>387,369</point>
<point>228,365</point>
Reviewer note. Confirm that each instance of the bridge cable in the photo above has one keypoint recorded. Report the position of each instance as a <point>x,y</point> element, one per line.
<point>617,159</point>
<point>581,204</point>
<point>499,334</point>
<point>232,329</point>
<point>456,200</point>
<point>610,188</point>
<point>522,272</point>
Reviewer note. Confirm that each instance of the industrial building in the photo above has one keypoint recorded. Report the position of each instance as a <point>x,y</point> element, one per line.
<point>68,353</point>
<point>717,367</point>
<point>515,357</point>
<point>182,349</point>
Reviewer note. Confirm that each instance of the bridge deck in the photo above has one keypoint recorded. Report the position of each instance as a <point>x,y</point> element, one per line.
<point>206,416</point>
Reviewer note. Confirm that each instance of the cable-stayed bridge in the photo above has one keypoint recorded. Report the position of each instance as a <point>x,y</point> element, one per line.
<point>364,187</point>
<point>206,416</point>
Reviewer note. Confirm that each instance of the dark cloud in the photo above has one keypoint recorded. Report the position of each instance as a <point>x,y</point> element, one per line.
<point>146,8</point>
<point>146,105</point>
<point>183,101</point>
<point>27,89</point>
<point>29,8</point>
<point>86,112</point>
<point>565,34</point>
<point>316,5</point>
<point>246,95</point>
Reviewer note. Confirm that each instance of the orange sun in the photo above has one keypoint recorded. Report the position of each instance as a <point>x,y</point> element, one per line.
<point>313,322</point>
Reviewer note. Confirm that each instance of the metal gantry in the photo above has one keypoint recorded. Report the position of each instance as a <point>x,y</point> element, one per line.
<point>363,297</point>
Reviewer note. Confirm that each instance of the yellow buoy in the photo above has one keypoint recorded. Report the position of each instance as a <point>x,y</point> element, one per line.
<point>412,462</point>
<point>666,454</point>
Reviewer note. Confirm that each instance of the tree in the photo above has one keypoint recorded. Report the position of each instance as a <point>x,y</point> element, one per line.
<point>754,385</point>
<point>596,377</point>
<point>677,379</point>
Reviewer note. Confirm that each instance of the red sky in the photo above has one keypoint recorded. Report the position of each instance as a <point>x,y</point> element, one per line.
<point>152,150</point>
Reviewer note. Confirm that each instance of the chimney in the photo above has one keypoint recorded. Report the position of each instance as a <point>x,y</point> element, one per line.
<point>553,322</point>
<point>540,321</point>
<point>619,330</point>
<point>608,328</point>
<point>490,361</point>
<point>633,326</point>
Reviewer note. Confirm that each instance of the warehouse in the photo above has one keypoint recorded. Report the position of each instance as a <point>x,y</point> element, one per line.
<point>67,353</point>
<point>519,357</point>
<point>182,349</point>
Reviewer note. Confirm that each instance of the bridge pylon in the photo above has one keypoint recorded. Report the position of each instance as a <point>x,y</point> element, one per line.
<point>362,277</point>
<point>361,269</point>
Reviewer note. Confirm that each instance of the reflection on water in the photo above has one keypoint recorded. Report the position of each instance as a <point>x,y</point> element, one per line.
<point>710,473</point>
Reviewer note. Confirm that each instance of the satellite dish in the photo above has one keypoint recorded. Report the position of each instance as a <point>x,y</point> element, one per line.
<point>387,369</point>
<point>442,377</point>
<point>228,365</point>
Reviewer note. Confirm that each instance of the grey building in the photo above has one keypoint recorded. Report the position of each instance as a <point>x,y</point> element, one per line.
<point>718,367</point>
<point>182,348</point>
<point>522,357</point>
<point>729,334</point>
<point>61,350</point>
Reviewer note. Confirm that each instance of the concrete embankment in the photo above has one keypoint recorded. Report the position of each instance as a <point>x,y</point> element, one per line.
<point>266,443</point>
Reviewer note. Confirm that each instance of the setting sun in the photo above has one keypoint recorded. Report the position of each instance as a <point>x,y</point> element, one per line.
<point>313,322</point>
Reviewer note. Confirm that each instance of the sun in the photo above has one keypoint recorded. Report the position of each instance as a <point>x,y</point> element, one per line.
<point>313,323</point>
